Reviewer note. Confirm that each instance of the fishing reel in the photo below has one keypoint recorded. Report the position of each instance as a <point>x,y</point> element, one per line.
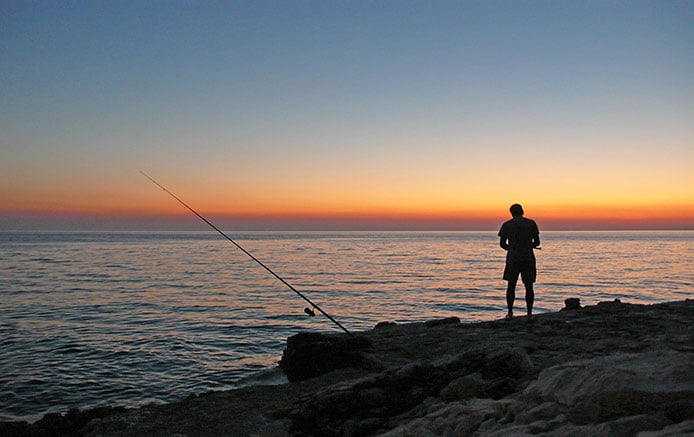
<point>310,312</point>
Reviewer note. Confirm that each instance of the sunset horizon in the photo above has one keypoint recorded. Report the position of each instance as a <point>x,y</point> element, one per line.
<point>347,116</point>
<point>581,218</point>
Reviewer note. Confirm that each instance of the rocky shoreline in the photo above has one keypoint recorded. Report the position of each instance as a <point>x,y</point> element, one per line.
<point>610,369</point>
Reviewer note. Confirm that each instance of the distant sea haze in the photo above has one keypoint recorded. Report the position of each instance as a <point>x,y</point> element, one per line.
<point>93,318</point>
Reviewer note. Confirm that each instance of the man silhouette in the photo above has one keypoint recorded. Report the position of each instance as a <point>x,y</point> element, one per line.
<point>519,236</point>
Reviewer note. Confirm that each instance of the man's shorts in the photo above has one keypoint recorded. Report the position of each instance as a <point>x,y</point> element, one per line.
<point>526,269</point>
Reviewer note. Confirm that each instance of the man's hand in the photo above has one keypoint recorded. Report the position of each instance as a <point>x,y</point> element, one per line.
<point>503,244</point>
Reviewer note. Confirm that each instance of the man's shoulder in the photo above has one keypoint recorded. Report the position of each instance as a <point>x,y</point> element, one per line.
<point>505,225</point>
<point>518,223</point>
<point>530,223</point>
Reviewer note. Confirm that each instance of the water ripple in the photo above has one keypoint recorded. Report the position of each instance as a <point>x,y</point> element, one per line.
<point>92,319</point>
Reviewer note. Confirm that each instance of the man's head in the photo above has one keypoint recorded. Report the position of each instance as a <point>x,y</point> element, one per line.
<point>516,210</point>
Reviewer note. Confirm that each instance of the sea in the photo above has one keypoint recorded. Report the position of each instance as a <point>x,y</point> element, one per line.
<point>89,319</point>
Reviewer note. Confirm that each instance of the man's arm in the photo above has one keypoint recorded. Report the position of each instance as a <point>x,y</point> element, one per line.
<point>536,237</point>
<point>503,237</point>
<point>503,243</point>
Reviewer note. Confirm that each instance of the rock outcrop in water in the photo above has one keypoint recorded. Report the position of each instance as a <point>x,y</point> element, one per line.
<point>610,369</point>
<point>311,354</point>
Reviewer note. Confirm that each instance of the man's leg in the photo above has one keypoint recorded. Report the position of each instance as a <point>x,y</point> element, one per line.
<point>529,298</point>
<point>528,274</point>
<point>510,296</point>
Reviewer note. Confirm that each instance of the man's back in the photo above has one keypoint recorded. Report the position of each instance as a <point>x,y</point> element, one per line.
<point>521,233</point>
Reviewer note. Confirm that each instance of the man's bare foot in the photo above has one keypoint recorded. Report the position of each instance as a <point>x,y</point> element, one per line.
<point>509,316</point>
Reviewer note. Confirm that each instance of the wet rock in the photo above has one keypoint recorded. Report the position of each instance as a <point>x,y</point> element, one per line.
<point>312,354</point>
<point>22,429</point>
<point>614,306</point>
<point>439,322</point>
<point>57,424</point>
<point>74,423</point>
<point>385,324</point>
<point>81,419</point>
<point>572,303</point>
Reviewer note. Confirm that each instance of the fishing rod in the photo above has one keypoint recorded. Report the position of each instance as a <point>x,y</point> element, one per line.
<point>308,311</point>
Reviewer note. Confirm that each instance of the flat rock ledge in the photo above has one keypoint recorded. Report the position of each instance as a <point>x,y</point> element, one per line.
<point>613,369</point>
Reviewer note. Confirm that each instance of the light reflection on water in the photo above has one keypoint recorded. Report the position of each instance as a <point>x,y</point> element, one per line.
<point>126,318</point>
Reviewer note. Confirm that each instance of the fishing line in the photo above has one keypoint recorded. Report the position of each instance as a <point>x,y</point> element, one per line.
<point>308,311</point>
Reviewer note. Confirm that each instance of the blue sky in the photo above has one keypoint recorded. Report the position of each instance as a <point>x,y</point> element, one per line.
<point>397,103</point>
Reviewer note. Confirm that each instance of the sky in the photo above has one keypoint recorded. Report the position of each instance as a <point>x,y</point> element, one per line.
<point>346,114</point>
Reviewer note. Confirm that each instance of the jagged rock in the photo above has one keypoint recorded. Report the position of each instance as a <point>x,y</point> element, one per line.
<point>449,419</point>
<point>619,385</point>
<point>544,411</point>
<point>312,354</point>
<point>474,386</point>
<point>676,430</point>
<point>388,394</point>
<point>506,362</point>
<point>680,410</point>
<point>465,387</point>
<point>398,390</point>
<point>621,394</point>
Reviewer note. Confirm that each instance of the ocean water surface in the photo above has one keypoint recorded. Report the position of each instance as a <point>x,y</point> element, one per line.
<point>93,319</point>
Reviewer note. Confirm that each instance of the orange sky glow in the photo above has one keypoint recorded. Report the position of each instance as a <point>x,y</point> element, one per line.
<point>165,213</point>
<point>348,115</point>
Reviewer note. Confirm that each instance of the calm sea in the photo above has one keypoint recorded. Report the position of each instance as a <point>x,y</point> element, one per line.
<point>91,319</point>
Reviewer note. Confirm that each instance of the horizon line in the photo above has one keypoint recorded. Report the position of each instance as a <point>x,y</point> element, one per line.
<point>192,226</point>
<point>76,221</point>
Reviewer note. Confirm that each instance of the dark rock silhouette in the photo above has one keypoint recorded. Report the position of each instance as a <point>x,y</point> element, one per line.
<point>55,424</point>
<point>572,303</point>
<point>311,354</point>
<point>609,369</point>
